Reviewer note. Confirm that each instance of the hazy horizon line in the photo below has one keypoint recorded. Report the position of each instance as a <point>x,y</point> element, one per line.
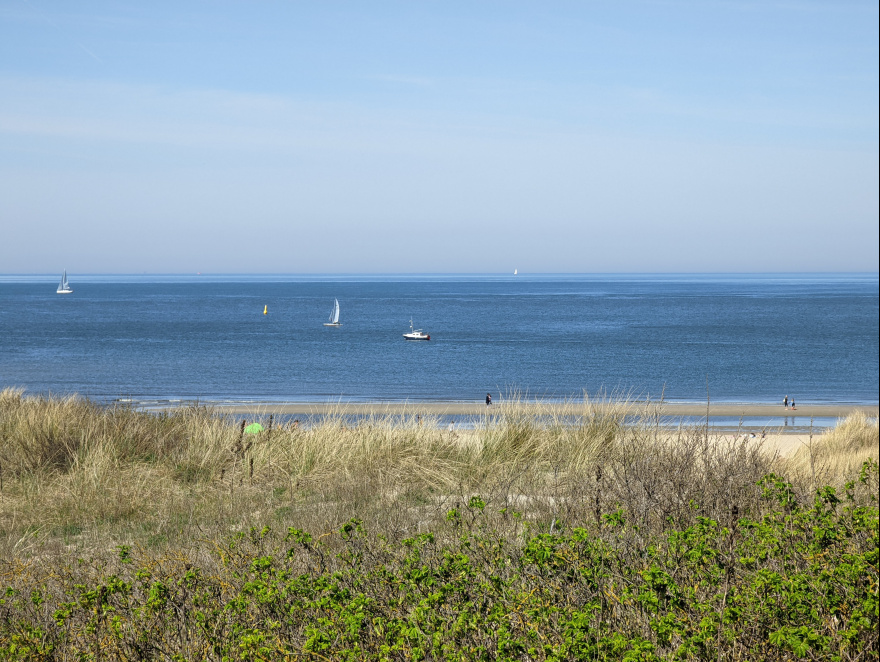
<point>426,274</point>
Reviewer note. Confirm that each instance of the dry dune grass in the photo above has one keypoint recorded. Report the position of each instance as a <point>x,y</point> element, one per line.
<point>74,475</point>
<point>839,452</point>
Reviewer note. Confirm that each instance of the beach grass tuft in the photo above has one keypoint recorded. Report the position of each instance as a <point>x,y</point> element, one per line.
<point>840,450</point>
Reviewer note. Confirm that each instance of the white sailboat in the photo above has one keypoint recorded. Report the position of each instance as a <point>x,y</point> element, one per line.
<point>415,334</point>
<point>64,286</point>
<point>334,315</point>
<point>514,272</point>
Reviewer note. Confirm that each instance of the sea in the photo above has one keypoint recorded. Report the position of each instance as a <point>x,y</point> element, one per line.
<point>160,340</point>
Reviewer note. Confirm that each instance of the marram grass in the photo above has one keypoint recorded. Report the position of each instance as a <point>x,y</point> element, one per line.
<point>74,475</point>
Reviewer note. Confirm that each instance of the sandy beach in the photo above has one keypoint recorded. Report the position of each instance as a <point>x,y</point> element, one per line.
<point>478,408</point>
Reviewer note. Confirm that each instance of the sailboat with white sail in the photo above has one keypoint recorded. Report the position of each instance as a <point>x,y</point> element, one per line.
<point>64,286</point>
<point>334,315</point>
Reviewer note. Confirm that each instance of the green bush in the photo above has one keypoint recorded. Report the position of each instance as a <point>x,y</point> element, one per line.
<point>789,581</point>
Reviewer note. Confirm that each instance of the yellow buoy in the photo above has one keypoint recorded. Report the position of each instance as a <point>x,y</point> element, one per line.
<point>265,310</point>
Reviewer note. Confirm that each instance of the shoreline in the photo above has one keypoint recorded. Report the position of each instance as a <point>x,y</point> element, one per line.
<point>726,410</point>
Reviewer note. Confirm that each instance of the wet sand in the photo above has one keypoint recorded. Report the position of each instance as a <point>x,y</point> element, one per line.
<point>479,408</point>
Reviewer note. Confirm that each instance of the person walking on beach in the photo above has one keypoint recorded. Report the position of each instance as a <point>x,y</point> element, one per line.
<point>785,402</point>
<point>488,399</point>
<point>792,403</point>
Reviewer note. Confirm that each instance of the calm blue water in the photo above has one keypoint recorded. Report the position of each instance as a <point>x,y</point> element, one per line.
<point>757,338</point>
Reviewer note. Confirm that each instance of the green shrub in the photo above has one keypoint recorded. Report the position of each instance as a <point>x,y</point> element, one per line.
<point>792,581</point>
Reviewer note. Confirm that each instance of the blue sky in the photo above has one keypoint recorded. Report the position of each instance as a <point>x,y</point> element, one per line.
<point>438,137</point>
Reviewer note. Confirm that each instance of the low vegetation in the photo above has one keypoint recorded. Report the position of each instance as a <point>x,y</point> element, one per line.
<point>592,531</point>
<point>839,451</point>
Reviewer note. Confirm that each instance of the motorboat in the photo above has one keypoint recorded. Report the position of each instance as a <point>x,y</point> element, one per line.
<point>416,334</point>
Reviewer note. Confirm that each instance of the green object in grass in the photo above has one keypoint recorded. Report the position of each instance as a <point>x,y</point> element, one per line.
<point>253,428</point>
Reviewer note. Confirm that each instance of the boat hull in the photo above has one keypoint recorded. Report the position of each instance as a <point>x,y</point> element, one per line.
<point>332,323</point>
<point>63,291</point>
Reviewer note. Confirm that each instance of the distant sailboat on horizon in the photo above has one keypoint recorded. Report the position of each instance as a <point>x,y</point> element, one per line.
<point>334,315</point>
<point>514,272</point>
<point>64,286</point>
